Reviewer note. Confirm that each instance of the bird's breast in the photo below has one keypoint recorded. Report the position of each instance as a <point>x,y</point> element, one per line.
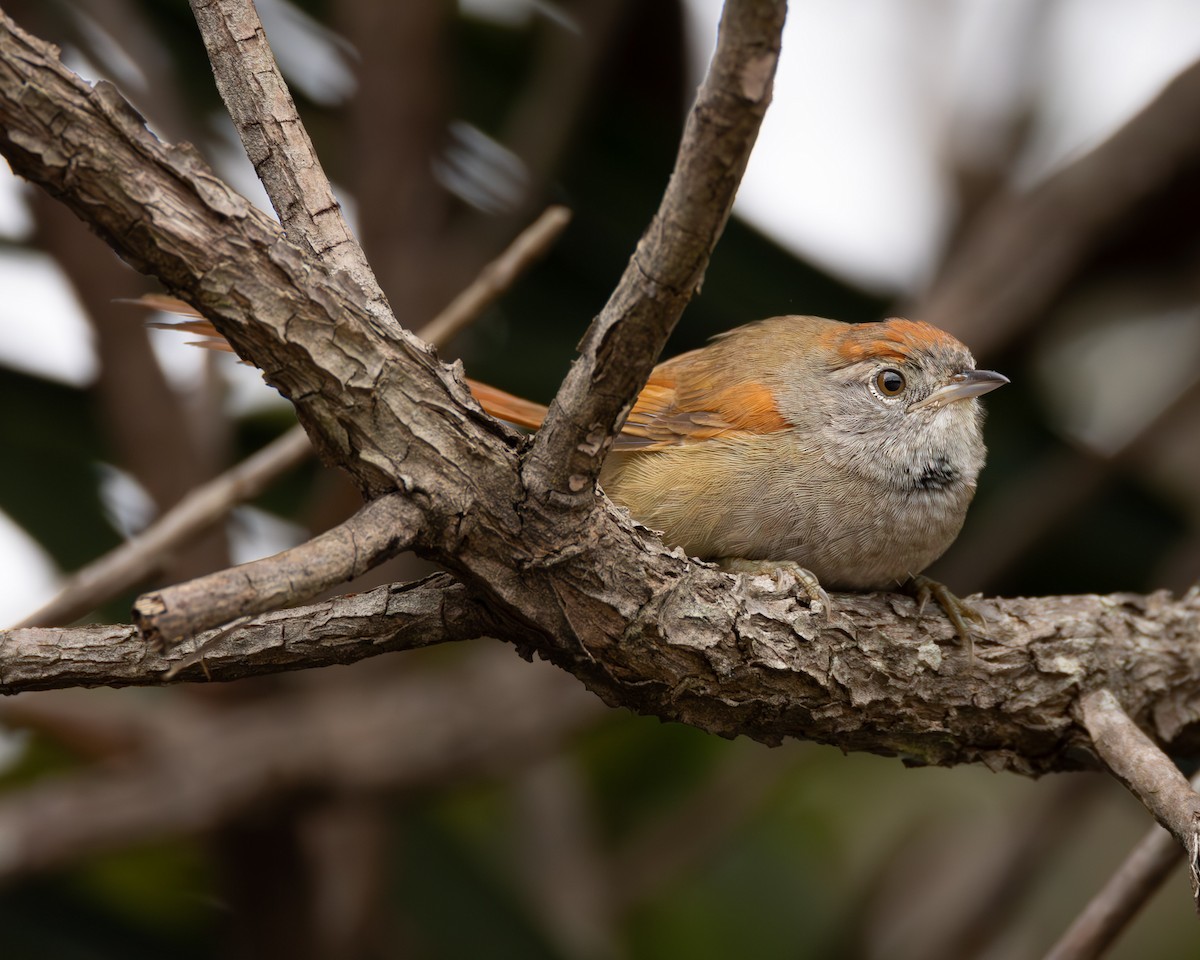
<point>772,498</point>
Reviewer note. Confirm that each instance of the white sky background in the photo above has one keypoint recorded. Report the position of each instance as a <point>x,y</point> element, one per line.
<point>848,167</point>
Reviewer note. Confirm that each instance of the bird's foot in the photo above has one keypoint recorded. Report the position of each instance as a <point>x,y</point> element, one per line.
<point>779,571</point>
<point>959,612</point>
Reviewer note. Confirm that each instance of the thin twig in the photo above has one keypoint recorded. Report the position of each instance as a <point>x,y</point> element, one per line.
<point>278,145</point>
<point>1149,773</point>
<point>984,912</point>
<point>497,277</point>
<point>199,510</point>
<point>379,530</point>
<point>1111,910</point>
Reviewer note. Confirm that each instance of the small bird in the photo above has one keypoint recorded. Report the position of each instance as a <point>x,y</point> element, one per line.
<point>846,452</point>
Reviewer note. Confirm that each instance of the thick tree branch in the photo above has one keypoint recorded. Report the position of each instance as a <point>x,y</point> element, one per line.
<point>378,531</point>
<point>135,559</point>
<point>278,145</point>
<point>624,342</point>
<point>876,678</point>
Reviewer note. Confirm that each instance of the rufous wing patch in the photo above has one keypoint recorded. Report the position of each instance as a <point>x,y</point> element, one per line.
<point>663,416</point>
<point>680,404</point>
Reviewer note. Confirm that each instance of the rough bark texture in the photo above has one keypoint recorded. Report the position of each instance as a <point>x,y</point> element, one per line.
<point>278,145</point>
<point>741,661</point>
<point>342,630</point>
<point>557,570</point>
<point>377,532</point>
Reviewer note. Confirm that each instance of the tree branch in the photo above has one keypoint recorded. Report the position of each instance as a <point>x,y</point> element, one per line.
<point>736,658</point>
<point>378,531</point>
<point>338,631</point>
<point>1111,910</point>
<point>278,145</point>
<point>623,343</point>
<point>498,276</point>
<point>1148,773</point>
<point>137,558</point>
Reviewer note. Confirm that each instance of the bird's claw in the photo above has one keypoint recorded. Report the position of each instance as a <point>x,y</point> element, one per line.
<point>957,610</point>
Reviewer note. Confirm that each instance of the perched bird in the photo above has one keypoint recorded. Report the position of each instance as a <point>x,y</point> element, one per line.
<point>848,451</point>
<point>844,453</point>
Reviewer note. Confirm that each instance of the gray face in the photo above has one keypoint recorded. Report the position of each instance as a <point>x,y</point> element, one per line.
<point>913,424</point>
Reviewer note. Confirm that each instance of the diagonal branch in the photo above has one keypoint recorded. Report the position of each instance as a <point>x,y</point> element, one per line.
<point>1125,893</point>
<point>497,277</point>
<point>624,342</point>
<point>1149,773</point>
<point>206,505</point>
<point>278,145</point>
<point>132,561</point>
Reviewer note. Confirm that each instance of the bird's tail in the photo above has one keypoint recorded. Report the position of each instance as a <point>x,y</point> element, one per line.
<point>504,406</point>
<point>501,405</point>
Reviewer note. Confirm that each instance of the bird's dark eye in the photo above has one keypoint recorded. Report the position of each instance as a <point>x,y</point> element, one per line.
<point>890,383</point>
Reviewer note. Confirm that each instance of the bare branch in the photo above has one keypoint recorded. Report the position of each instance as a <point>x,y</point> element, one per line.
<point>624,342</point>
<point>342,630</point>
<point>193,603</point>
<point>1148,773</point>
<point>278,145</point>
<point>379,530</point>
<point>1111,910</point>
<point>978,914</point>
<point>735,657</point>
<point>497,277</point>
<point>139,557</point>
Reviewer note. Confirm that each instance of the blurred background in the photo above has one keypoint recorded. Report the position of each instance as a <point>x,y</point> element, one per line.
<point>1024,174</point>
